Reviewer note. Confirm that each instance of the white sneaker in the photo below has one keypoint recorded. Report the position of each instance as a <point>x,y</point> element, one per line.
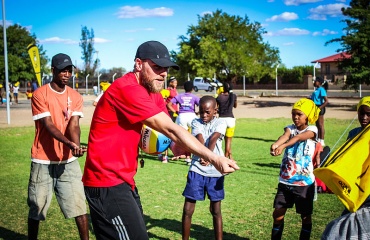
<point>188,160</point>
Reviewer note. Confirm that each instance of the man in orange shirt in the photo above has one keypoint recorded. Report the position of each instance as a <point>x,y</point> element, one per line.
<point>56,110</point>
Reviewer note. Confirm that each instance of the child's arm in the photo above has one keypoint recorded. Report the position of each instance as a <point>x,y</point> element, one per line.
<point>211,144</point>
<point>282,139</point>
<point>213,140</point>
<point>201,139</point>
<point>297,138</point>
<point>169,106</point>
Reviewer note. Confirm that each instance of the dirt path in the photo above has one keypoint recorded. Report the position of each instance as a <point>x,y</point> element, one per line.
<point>248,107</point>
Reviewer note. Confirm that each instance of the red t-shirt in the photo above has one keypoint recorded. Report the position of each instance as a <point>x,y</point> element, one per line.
<point>115,132</point>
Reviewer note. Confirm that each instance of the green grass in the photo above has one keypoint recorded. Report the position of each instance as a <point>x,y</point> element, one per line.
<point>246,210</point>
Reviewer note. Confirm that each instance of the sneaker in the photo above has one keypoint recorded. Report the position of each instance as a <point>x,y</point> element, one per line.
<point>188,160</point>
<point>165,159</point>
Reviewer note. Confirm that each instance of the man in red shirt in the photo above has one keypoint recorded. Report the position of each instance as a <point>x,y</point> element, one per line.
<point>56,110</point>
<point>112,155</point>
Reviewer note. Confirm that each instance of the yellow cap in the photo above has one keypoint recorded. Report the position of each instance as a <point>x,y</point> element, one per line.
<point>309,108</point>
<point>364,101</point>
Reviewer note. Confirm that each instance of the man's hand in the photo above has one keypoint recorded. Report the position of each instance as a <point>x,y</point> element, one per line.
<point>77,151</point>
<point>225,165</point>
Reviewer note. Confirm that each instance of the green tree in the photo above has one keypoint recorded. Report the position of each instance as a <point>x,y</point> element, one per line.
<point>88,50</point>
<point>19,63</point>
<point>107,74</point>
<point>229,46</point>
<point>356,42</point>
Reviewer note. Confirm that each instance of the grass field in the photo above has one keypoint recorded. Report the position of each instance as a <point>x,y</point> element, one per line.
<point>246,209</point>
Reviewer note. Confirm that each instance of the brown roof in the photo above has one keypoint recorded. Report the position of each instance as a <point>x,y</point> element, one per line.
<point>333,58</point>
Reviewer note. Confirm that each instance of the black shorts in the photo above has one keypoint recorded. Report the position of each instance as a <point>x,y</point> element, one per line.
<point>301,196</point>
<point>322,111</point>
<point>116,212</point>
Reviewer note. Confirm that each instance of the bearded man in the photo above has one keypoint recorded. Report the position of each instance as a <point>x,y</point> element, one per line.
<point>112,155</point>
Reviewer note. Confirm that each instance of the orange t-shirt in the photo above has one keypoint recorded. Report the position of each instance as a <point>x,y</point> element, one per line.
<point>60,107</point>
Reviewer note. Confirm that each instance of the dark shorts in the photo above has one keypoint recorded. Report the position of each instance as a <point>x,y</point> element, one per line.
<point>322,111</point>
<point>197,186</point>
<point>116,212</point>
<point>301,196</point>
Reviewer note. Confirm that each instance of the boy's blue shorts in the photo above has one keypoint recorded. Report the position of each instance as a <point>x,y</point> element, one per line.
<point>197,186</point>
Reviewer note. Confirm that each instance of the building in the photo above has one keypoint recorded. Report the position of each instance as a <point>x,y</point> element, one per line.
<point>329,69</point>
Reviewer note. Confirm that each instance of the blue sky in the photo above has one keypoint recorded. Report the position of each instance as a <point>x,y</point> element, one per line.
<point>298,28</point>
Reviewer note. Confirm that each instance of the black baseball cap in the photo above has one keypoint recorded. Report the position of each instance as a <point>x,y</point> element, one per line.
<point>156,52</point>
<point>61,61</point>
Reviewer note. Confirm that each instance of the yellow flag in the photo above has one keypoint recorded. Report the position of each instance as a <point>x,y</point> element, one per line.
<point>33,51</point>
<point>347,173</point>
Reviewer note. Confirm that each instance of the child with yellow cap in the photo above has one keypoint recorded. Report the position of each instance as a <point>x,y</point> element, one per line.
<point>103,87</point>
<point>296,182</point>
<point>353,225</point>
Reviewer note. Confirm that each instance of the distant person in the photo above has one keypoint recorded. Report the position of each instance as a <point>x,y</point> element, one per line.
<point>353,225</point>
<point>296,187</point>
<point>226,101</point>
<point>1,94</point>
<point>320,98</point>
<point>103,87</point>
<point>203,178</point>
<point>186,113</point>
<point>10,93</point>
<point>95,89</point>
<point>164,156</point>
<point>56,110</point>
<point>132,101</point>
<point>34,86</point>
<point>15,92</point>
<point>172,87</point>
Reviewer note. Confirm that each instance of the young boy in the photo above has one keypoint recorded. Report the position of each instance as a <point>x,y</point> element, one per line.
<point>203,177</point>
<point>353,225</point>
<point>186,112</point>
<point>297,182</point>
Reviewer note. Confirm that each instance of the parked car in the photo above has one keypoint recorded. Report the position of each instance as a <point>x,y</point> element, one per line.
<point>206,84</point>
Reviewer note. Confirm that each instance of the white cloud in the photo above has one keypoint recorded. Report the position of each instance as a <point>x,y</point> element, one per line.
<point>101,40</point>
<point>284,17</point>
<point>321,12</point>
<point>204,13</point>
<point>137,11</point>
<point>299,2</point>
<point>288,32</point>
<point>7,23</point>
<point>288,44</point>
<point>58,40</point>
<point>324,32</point>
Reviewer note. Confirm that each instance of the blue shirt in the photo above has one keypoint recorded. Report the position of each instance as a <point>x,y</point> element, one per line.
<point>318,96</point>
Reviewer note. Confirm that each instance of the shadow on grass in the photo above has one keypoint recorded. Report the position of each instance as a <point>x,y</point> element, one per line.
<point>263,104</point>
<point>7,234</point>
<point>256,139</point>
<point>269,165</point>
<point>197,231</point>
